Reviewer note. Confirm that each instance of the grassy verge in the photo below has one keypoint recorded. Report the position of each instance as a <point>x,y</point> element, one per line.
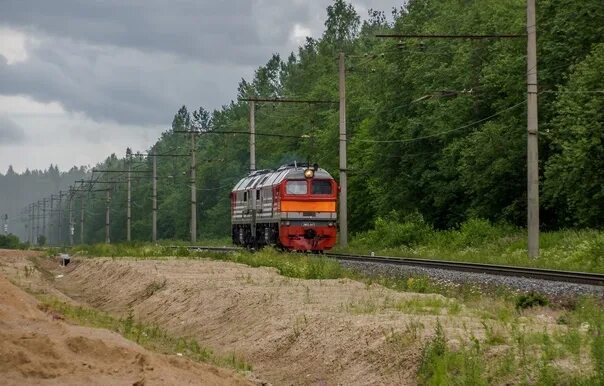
<point>292,265</point>
<point>480,241</point>
<point>570,356</point>
<point>149,336</point>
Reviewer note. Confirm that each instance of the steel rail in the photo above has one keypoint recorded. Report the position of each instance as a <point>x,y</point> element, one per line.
<point>199,248</point>
<point>492,269</point>
<point>590,278</point>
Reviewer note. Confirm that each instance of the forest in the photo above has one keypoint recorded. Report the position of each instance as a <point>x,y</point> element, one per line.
<point>436,127</point>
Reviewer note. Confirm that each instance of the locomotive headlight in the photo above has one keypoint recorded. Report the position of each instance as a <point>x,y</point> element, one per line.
<point>309,173</point>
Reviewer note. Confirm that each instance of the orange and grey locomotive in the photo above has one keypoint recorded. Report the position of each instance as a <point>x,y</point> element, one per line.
<point>293,207</point>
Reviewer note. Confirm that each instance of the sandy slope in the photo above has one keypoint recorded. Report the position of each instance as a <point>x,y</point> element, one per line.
<point>292,331</point>
<point>40,348</point>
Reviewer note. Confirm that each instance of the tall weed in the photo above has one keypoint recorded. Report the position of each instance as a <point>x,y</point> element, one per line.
<point>441,366</point>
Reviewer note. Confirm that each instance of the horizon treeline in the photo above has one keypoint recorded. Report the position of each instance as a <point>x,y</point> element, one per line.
<point>18,190</point>
<point>436,127</point>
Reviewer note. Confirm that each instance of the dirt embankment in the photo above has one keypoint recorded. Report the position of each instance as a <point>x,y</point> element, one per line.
<point>39,348</point>
<point>292,331</point>
<point>329,332</point>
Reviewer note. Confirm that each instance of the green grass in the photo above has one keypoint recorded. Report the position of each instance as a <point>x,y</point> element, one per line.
<point>149,336</point>
<point>292,265</point>
<point>300,266</point>
<point>480,241</point>
<point>523,358</point>
<point>140,249</point>
<point>441,366</point>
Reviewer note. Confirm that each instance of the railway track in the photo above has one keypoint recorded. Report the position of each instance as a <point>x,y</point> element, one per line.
<point>596,279</point>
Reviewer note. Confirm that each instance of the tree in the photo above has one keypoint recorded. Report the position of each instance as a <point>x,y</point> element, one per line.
<point>202,120</point>
<point>342,25</point>
<point>574,176</point>
<point>182,120</point>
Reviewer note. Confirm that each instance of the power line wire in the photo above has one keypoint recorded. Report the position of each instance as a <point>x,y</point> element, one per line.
<point>442,132</point>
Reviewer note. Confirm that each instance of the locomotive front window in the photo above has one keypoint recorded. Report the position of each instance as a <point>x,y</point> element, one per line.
<point>296,187</point>
<point>321,187</point>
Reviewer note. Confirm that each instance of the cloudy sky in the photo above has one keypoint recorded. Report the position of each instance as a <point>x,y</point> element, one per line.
<point>80,80</point>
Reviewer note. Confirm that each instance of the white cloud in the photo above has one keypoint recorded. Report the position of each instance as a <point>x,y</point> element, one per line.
<point>13,45</point>
<point>299,33</point>
<point>24,105</point>
<point>65,138</point>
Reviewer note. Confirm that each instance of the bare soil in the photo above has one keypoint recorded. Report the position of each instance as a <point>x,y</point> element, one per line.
<point>40,348</point>
<point>292,331</point>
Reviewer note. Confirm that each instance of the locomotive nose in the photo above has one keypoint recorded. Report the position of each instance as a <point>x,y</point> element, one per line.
<point>310,234</point>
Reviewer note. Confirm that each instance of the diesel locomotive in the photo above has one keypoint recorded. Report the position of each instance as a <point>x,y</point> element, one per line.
<point>293,207</point>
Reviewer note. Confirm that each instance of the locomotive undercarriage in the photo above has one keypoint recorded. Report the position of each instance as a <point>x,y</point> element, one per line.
<point>294,237</point>
<point>265,234</point>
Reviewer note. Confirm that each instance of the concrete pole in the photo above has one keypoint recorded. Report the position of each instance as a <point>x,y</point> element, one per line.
<point>532,155</point>
<point>60,230</point>
<point>71,218</point>
<point>343,177</point>
<point>51,222</point>
<point>252,136</point>
<point>37,221</point>
<point>107,204</point>
<point>129,209</point>
<point>82,207</point>
<point>26,219</point>
<point>44,219</point>
<point>57,212</point>
<point>5,227</point>
<point>31,224</point>
<point>154,199</point>
<point>193,193</point>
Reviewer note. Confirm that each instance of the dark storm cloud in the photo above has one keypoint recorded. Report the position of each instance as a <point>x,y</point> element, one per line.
<point>115,84</point>
<point>10,132</point>
<point>136,62</point>
<point>217,31</point>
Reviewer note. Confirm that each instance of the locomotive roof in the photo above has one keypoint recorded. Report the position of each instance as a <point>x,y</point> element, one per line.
<point>268,177</point>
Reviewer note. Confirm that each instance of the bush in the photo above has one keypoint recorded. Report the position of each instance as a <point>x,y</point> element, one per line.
<point>475,232</point>
<point>389,233</point>
<point>41,240</point>
<point>590,252</point>
<point>9,241</point>
<point>529,300</point>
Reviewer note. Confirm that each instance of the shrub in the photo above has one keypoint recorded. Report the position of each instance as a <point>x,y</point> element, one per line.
<point>529,300</point>
<point>476,232</point>
<point>389,233</point>
<point>41,240</point>
<point>590,252</point>
<point>9,241</point>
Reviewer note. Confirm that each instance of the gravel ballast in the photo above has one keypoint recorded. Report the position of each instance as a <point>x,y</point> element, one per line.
<point>451,277</point>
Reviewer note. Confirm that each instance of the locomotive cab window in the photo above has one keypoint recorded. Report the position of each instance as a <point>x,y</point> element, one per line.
<point>296,187</point>
<point>244,196</point>
<point>321,187</point>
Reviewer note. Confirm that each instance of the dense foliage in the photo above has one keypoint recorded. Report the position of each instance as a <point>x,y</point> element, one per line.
<point>436,128</point>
